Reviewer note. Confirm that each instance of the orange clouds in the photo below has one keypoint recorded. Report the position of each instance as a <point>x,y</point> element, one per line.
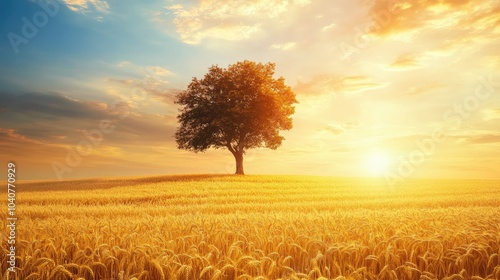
<point>403,16</point>
<point>413,15</point>
<point>483,139</point>
<point>39,129</point>
<point>405,62</point>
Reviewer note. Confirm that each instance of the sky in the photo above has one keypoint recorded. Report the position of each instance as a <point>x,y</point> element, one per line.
<point>387,88</point>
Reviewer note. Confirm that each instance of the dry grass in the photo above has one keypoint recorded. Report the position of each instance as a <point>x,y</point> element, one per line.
<point>256,227</point>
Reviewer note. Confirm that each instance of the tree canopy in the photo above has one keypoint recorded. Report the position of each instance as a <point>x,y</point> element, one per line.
<point>238,108</point>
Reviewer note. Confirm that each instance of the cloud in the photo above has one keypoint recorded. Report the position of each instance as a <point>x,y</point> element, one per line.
<point>59,119</point>
<point>478,138</point>
<point>124,63</point>
<point>153,81</point>
<point>357,84</point>
<point>125,82</point>
<point>48,125</point>
<point>86,6</point>
<point>142,143</point>
<point>464,27</point>
<point>491,114</point>
<point>48,106</point>
<point>334,129</point>
<point>328,27</point>
<point>160,71</point>
<point>397,17</point>
<point>425,88</point>
<point>405,62</point>
<point>141,70</point>
<point>485,139</point>
<point>491,62</point>
<point>167,96</point>
<point>284,46</point>
<point>35,156</point>
<point>226,19</point>
<point>11,134</point>
<point>335,84</point>
<point>337,129</point>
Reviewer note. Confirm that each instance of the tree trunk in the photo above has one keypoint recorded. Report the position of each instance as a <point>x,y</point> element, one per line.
<point>238,156</point>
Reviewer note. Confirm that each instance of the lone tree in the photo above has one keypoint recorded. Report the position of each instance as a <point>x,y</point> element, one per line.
<point>237,108</point>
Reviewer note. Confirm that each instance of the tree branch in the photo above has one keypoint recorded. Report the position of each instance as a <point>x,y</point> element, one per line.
<point>231,149</point>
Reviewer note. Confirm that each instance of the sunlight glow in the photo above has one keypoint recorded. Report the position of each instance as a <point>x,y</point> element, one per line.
<point>377,163</point>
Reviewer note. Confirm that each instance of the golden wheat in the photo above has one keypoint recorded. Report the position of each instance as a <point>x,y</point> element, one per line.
<point>256,227</point>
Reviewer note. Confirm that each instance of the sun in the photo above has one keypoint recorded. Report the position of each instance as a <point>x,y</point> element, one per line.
<point>377,163</point>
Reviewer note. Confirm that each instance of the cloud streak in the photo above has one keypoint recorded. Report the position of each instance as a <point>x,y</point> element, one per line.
<point>57,119</point>
<point>48,125</point>
<point>228,20</point>
<point>86,6</point>
<point>335,84</point>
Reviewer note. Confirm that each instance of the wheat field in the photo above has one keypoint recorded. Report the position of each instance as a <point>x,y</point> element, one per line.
<point>256,227</point>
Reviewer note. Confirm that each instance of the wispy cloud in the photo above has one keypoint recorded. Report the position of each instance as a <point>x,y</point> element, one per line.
<point>491,114</point>
<point>284,46</point>
<point>86,6</point>
<point>123,63</point>
<point>161,71</point>
<point>405,62</point>
<point>463,16</point>
<point>328,27</point>
<point>227,20</point>
<point>335,84</point>
<point>125,82</point>
<point>337,129</point>
<point>484,139</point>
<point>153,81</point>
<point>414,90</point>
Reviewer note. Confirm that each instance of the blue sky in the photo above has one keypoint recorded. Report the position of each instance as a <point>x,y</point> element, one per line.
<point>373,79</point>
<point>71,44</point>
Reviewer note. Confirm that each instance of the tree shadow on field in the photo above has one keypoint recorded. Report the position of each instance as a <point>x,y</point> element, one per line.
<point>110,182</point>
